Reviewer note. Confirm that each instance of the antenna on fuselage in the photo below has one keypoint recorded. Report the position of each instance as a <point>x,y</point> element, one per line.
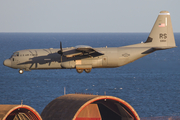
<point>60,51</point>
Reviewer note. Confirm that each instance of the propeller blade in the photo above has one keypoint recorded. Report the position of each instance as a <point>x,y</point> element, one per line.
<point>61,47</point>
<point>60,51</point>
<point>61,58</point>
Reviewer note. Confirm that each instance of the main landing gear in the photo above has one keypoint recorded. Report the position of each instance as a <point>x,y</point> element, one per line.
<point>81,70</point>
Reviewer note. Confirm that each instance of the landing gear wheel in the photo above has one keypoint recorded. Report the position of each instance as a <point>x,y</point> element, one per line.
<point>21,71</point>
<point>79,70</point>
<point>87,70</point>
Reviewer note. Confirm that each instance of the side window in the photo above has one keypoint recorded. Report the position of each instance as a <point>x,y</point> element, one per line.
<point>35,55</point>
<point>16,54</point>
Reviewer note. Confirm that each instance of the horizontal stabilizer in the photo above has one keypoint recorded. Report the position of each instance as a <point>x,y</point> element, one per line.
<point>149,51</point>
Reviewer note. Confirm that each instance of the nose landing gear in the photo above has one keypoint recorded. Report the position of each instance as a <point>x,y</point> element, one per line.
<point>21,71</point>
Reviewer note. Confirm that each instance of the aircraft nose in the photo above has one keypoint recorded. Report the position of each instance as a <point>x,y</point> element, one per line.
<point>7,62</point>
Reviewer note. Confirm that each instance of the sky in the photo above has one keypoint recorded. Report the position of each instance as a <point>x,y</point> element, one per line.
<point>89,16</point>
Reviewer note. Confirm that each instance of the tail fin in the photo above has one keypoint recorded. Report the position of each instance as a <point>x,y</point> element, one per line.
<point>161,35</point>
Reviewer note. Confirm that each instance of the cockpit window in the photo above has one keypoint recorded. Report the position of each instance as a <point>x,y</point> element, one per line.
<point>16,54</point>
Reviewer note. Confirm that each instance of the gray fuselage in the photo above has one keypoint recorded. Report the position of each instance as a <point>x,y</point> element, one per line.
<point>84,58</point>
<point>49,58</point>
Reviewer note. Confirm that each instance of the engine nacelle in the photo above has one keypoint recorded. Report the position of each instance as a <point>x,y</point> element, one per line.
<point>68,64</point>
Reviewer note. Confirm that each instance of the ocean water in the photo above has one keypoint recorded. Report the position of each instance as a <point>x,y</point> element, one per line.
<point>151,85</point>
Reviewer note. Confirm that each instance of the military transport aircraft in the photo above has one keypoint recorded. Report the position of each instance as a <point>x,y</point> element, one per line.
<point>84,58</point>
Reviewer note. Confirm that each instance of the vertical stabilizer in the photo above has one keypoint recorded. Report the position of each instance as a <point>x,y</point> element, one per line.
<point>162,33</point>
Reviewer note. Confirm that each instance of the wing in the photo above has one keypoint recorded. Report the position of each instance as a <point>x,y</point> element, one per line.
<point>83,50</point>
<point>72,53</point>
<point>88,50</point>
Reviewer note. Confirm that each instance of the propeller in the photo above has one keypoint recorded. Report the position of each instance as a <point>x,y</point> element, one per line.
<point>60,51</point>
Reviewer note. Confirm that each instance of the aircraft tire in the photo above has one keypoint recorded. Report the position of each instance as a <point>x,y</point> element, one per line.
<point>79,70</point>
<point>21,71</point>
<point>87,70</point>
